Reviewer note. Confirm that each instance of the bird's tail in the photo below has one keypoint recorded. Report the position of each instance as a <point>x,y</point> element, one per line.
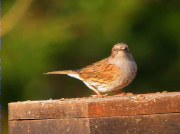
<point>62,72</point>
<point>71,73</point>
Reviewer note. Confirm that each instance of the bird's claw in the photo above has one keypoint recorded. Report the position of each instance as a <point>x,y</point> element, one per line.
<point>99,96</point>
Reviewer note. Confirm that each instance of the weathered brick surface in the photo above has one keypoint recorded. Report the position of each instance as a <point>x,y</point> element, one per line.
<point>143,113</point>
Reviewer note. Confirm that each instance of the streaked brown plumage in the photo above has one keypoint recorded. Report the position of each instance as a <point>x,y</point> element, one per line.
<point>110,74</point>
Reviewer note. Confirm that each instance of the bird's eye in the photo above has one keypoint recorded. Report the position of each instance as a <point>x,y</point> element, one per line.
<point>114,49</point>
<point>125,49</point>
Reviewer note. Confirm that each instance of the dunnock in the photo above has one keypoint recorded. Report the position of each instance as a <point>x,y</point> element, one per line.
<point>110,74</point>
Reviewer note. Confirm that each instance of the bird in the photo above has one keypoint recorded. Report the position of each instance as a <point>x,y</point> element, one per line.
<point>110,74</point>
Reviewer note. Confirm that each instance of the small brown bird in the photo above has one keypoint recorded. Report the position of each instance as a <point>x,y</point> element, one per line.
<point>110,74</point>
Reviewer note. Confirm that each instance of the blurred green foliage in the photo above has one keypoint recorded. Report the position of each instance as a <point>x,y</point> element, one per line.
<point>59,34</point>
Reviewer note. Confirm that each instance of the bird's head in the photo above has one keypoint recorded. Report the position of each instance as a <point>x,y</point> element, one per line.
<point>120,49</point>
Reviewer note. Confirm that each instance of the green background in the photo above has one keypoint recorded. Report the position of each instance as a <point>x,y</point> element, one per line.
<point>48,35</point>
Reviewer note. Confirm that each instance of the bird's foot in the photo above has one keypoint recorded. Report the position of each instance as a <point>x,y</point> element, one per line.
<point>124,94</point>
<point>99,96</point>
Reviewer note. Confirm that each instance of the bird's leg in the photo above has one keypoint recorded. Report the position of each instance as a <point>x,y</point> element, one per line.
<point>97,92</point>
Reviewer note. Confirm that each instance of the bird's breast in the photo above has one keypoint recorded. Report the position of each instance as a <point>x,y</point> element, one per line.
<point>128,70</point>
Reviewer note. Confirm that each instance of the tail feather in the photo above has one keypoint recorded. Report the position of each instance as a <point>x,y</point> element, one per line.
<point>62,72</point>
<point>71,73</point>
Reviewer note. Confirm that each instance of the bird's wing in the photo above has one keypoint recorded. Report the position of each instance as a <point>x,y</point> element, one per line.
<point>101,71</point>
